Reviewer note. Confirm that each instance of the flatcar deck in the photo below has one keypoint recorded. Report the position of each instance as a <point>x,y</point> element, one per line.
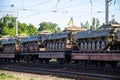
<point>102,55</point>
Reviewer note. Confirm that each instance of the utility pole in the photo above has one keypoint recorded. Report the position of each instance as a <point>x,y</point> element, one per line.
<point>16,22</point>
<point>16,26</point>
<point>107,11</point>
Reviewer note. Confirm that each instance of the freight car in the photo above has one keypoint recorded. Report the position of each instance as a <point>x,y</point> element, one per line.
<point>98,47</point>
<point>31,46</point>
<point>59,45</point>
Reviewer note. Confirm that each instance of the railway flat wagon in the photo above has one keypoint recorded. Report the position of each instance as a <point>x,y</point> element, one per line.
<point>59,45</point>
<point>97,58</point>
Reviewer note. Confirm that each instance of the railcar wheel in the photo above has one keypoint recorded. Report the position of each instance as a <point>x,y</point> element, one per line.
<point>41,60</point>
<point>60,61</point>
<point>102,64</point>
<point>46,61</point>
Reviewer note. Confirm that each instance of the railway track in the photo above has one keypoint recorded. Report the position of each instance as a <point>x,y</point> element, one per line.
<point>62,70</point>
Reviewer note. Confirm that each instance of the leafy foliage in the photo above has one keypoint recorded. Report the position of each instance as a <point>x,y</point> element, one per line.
<point>53,27</point>
<point>7,27</point>
<point>86,25</point>
<point>95,24</point>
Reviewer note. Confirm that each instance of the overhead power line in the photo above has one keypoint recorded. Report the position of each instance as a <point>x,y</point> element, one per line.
<point>40,3</point>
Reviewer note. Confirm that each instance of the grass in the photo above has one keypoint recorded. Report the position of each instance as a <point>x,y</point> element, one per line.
<point>4,76</point>
<point>32,78</point>
<point>53,60</point>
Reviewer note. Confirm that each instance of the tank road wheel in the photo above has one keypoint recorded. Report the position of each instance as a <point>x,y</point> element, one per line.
<point>93,45</point>
<point>105,42</point>
<point>50,46</point>
<point>60,45</point>
<point>53,46</point>
<point>63,45</point>
<point>98,45</point>
<point>57,45</point>
<point>85,45</point>
<point>102,45</point>
<point>77,42</point>
<point>82,45</point>
<point>89,45</point>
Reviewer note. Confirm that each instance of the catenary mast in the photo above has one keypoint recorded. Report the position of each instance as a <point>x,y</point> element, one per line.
<point>107,11</point>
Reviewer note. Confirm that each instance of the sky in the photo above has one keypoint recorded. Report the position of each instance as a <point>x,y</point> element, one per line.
<point>59,11</point>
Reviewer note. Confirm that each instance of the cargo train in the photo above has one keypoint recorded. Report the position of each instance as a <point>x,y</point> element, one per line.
<point>73,45</point>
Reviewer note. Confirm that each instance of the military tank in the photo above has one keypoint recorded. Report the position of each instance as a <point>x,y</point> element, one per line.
<point>105,38</point>
<point>10,45</point>
<point>60,41</point>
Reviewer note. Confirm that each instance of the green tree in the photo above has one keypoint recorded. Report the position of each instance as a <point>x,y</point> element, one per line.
<point>81,25</point>
<point>95,23</point>
<point>53,27</point>
<point>86,25</point>
<point>32,29</point>
<point>7,27</point>
<point>22,28</point>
